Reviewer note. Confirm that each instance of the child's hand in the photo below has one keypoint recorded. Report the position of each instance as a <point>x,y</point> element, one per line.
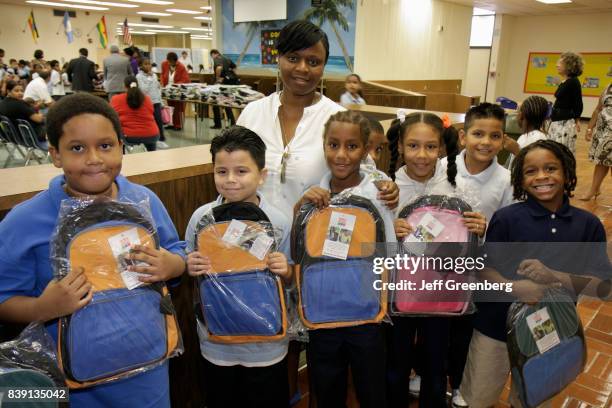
<point>531,292</point>
<point>162,264</point>
<point>402,228</point>
<point>65,296</point>
<point>536,271</point>
<point>475,222</point>
<point>277,263</point>
<point>511,145</point>
<point>318,196</point>
<point>388,192</point>
<point>197,264</point>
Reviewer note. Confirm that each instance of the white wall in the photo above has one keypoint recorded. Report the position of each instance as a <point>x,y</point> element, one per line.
<point>578,33</point>
<point>399,39</point>
<point>18,43</point>
<point>476,76</point>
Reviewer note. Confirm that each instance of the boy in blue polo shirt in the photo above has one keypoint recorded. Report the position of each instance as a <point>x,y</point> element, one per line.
<point>543,177</point>
<point>84,136</point>
<point>247,374</point>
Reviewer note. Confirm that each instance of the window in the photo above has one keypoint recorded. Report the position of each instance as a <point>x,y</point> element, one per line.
<point>482,28</point>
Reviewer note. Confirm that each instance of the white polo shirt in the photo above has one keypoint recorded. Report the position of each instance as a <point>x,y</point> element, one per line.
<point>492,184</point>
<point>37,90</point>
<point>306,164</point>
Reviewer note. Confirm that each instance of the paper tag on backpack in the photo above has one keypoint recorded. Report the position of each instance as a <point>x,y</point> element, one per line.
<point>543,330</point>
<point>339,234</point>
<point>261,245</point>
<point>427,230</point>
<point>234,232</point>
<point>121,244</point>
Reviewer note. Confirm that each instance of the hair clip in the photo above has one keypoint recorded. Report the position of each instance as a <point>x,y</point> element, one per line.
<point>446,121</point>
<point>401,115</point>
<point>133,85</point>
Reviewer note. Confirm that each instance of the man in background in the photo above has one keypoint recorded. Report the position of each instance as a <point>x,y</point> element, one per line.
<point>81,72</point>
<point>116,69</point>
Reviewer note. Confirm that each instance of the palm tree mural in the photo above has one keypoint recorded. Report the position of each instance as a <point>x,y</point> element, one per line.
<point>329,11</point>
<point>253,28</point>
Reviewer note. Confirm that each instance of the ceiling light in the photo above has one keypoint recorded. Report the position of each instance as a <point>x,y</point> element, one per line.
<point>103,3</point>
<point>206,8</point>
<point>554,1</point>
<point>120,32</point>
<point>146,25</point>
<point>153,13</point>
<point>203,18</point>
<point>181,11</point>
<point>196,29</point>
<point>65,5</point>
<point>201,38</point>
<point>168,31</point>
<point>158,2</point>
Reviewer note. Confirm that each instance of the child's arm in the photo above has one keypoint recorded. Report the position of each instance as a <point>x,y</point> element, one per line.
<point>475,222</point>
<point>525,290</point>
<point>511,145</point>
<point>197,264</point>
<point>162,264</point>
<point>316,195</point>
<point>60,298</point>
<point>278,265</point>
<point>540,273</point>
<point>402,228</point>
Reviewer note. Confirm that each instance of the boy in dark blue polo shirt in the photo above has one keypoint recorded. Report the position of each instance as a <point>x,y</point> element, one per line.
<point>543,176</point>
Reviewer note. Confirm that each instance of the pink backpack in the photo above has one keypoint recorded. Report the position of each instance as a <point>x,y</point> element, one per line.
<point>437,220</point>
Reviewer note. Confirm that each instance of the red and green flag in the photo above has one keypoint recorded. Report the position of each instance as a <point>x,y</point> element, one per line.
<point>32,24</point>
<point>102,32</point>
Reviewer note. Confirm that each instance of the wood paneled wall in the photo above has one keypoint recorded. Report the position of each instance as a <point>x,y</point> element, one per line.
<point>425,85</point>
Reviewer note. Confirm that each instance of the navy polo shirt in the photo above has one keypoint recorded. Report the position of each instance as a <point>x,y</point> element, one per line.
<point>529,222</point>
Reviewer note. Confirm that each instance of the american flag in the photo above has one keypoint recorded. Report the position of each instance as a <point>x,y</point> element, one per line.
<point>127,37</point>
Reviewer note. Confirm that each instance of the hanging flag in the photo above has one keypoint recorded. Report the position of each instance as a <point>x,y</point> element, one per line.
<point>68,28</point>
<point>102,32</point>
<point>32,24</point>
<point>127,37</point>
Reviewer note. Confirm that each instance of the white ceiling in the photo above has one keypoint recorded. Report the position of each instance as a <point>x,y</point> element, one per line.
<point>534,8</point>
<point>132,13</point>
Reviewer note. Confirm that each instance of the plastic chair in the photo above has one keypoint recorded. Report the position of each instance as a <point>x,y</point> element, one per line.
<point>12,136</point>
<point>30,140</point>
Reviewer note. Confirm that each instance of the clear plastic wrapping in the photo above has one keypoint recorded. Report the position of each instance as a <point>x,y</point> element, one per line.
<point>129,327</point>
<point>239,300</point>
<point>438,255</point>
<point>546,345</point>
<point>30,361</point>
<point>335,249</point>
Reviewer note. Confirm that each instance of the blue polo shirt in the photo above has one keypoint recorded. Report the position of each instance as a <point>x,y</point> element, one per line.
<point>528,222</point>
<point>25,270</point>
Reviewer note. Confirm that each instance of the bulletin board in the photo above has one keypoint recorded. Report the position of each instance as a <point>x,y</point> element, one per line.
<point>269,53</point>
<point>541,75</point>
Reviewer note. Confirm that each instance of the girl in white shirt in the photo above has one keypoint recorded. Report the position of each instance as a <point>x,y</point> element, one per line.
<point>352,96</point>
<point>531,116</point>
<point>57,82</point>
<point>419,141</point>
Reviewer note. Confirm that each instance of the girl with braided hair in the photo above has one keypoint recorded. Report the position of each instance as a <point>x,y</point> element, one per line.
<point>531,117</point>
<point>419,141</point>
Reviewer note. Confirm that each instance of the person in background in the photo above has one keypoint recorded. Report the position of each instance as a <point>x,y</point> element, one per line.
<point>116,68</point>
<point>149,85</point>
<point>67,84</point>
<point>201,69</point>
<point>185,59</point>
<point>599,133</point>
<point>224,74</point>
<point>353,94</point>
<point>154,68</point>
<point>56,82</point>
<point>81,72</point>
<point>39,58</point>
<point>568,106</point>
<point>133,54</point>
<point>135,111</point>
<point>37,91</point>
<point>173,72</point>
<point>531,117</point>
<point>14,107</point>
